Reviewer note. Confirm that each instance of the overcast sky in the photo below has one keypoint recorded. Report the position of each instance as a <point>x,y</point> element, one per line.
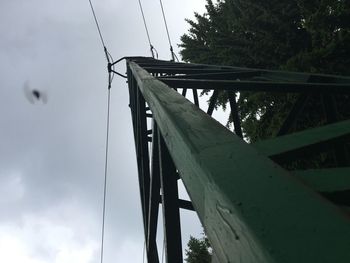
<point>52,155</point>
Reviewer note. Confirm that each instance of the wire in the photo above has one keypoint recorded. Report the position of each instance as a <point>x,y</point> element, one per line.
<point>173,56</point>
<point>111,74</point>
<point>97,25</point>
<point>109,58</point>
<point>143,252</point>
<point>105,177</point>
<point>147,32</point>
<point>154,50</point>
<point>144,22</point>
<point>163,248</point>
<point>177,59</point>
<point>166,25</point>
<point>101,37</point>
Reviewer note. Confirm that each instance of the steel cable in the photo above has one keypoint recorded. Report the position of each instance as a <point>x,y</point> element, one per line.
<point>152,49</point>
<point>110,78</point>
<point>173,56</point>
<point>97,25</point>
<point>105,176</point>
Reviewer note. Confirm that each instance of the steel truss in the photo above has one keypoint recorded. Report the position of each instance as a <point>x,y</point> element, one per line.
<point>252,209</point>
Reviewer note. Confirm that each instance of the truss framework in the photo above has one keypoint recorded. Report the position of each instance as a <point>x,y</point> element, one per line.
<point>252,209</point>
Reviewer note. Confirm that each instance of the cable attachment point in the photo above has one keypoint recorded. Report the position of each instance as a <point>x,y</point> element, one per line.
<point>172,54</point>
<point>154,51</point>
<point>111,69</point>
<point>107,54</point>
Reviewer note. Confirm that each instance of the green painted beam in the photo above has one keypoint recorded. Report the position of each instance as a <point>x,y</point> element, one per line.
<point>326,180</point>
<point>249,85</point>
<point>252,210</point>
<point>303,143</point>
<point>274,75</point>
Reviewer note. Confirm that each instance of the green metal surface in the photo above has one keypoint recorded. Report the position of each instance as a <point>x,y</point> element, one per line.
<point>304,142</point>
<point>263,85</point>
<point>275,75</point>
<point>326,180</point>
<point>252,210</point>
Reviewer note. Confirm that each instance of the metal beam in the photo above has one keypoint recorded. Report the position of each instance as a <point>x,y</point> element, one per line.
<point>221,75</point>
<point>138,114</point>
<point>195,97</point>
<point>243,85</point>
<point>152,251</point>
<point>276,75</point>
<point>181,70</point>
<point>171,214</point>
<point>184,204</point>
<point>297,108</point>
<point>341,198</point>
<point>212,102</point>
<point>299,144</point>
<point>326,180</point>
<point>143,154</point>
<point>252,209</point>
<point>235,114</point>
<point>331,112</point>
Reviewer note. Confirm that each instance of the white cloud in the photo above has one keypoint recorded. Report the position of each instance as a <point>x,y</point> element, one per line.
<point>11,186</point>
<point>129,251</point>
<point>52,155</point>
<point>13,250</point>
<point>37,239</point>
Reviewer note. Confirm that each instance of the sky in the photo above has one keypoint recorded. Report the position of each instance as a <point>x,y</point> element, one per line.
<point>52,154</point>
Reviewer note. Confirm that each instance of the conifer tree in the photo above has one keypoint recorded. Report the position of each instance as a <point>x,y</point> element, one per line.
<point>198,250</point>
<point>299,35</point>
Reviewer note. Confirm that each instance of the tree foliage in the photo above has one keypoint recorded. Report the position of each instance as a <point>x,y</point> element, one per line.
<point>198,250</point>
<point>299,35</point>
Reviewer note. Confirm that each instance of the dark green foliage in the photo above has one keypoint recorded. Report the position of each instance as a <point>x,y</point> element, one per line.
<point>328,25</point>
<point>198,250</point>
<point>298,35</point>
<point>246,33</point>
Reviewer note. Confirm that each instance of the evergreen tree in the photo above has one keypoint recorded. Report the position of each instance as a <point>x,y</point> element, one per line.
<point>328,25</point>
<point>300,35</point>
<point>198,250</point>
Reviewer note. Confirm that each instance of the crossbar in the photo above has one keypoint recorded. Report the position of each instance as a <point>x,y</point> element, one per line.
<point>252,209</point>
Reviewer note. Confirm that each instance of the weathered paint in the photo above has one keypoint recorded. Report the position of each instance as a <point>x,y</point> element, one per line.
<point>251,85</point>
<point>301,143</point>
<point>326,180</point>
<point>252,209</point>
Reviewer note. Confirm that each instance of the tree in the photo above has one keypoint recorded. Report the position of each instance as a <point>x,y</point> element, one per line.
<point>198,250</point>
<point>249,33</point>
<point>327,23</point>
<point>299,35</point>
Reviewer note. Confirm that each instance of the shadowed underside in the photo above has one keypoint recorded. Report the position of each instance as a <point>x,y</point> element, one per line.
<point>252,209</point>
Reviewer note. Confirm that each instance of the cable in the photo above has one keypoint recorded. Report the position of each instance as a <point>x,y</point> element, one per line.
<point>167,32</point>
<point>177,59</point>
<point>166,25</point>
<point>97,25</point>
<point>99,32</point>
<point>143,252</point>
<point>147,32</point>
<point>163,248</point>
<point>154,50</point>
<point>105,177</point>
<point>144,22</point>
<point>110,78</point>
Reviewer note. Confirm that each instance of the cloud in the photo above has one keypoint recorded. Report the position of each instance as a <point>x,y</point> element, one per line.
<point>129,251</point>
<point>39,239</point>
<point>52,155</point>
